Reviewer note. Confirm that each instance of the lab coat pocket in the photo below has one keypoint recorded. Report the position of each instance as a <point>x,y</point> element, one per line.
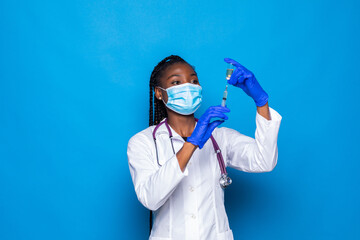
<point>228,235</point>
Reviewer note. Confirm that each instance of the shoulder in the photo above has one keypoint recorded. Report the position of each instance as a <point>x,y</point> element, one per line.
<point>143,137</point>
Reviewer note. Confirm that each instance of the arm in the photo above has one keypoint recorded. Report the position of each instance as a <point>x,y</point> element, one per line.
<point>153,185</point>
<point>201,133</point>
<point>259,154</point>
<point>264,111</point>
<point>184,154</point>
<point>254,155</point>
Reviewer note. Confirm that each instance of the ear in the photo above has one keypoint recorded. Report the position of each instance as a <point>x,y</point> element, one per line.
<point>158,93</point>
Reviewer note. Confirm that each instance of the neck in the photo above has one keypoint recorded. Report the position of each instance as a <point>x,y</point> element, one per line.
<point>182,124</point>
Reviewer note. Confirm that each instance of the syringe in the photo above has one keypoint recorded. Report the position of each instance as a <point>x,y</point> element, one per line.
<point>223,102</point>
<point>229,71</point>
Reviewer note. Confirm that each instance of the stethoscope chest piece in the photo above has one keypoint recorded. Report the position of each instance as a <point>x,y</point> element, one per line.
<point>225,181</point>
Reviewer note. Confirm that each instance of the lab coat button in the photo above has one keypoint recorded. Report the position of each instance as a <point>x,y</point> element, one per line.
<point>191,189</point>
<point>193,216</point>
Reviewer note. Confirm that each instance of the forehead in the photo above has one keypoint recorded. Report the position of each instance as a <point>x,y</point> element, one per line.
<point>180,68</point>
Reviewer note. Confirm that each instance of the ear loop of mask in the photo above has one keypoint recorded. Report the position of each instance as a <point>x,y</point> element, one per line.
<point>160,98</point>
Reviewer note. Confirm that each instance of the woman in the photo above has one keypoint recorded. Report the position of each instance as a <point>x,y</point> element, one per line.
<point>173,165</point>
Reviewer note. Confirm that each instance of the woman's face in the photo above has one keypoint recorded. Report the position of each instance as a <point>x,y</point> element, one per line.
<point>176,74</point>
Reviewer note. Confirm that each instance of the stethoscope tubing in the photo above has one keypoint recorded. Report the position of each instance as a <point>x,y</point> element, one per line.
<point>215,145</point>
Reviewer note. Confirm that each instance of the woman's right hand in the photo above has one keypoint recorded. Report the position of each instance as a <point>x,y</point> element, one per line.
<point>245,79</point>
<point>204,127</point>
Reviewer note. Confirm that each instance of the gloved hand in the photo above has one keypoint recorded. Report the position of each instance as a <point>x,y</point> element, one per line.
<point>246,80</point>
<point>204,128</point>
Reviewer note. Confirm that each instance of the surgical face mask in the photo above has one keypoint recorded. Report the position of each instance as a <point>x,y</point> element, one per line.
<point>184,99</point>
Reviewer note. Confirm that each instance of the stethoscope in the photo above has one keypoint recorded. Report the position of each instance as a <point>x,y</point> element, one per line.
<point>224,180</point>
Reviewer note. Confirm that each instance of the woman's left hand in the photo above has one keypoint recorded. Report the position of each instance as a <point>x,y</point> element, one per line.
<point>246,80</point>
<point>204,127</point>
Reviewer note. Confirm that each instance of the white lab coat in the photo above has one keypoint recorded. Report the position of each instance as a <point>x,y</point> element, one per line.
<point>189,205</point>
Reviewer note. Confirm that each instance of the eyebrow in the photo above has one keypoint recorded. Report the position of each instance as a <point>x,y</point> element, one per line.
<point>174,75</point>
<point>177,75</point>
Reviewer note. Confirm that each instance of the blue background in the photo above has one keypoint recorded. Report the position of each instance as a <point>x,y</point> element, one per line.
<point>74,88</point>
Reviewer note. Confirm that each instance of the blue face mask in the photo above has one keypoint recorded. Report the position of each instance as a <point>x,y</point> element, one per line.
<point>184,99</point>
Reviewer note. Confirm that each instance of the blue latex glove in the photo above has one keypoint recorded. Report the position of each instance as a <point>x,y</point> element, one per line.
<point>246,80</point>
<point>204,127</point>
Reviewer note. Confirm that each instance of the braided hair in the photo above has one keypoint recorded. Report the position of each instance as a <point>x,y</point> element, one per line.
<point>157,111</point>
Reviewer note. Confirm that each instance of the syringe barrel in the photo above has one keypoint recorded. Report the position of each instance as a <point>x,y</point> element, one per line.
<point>223,102</point>
<point>225,95</point>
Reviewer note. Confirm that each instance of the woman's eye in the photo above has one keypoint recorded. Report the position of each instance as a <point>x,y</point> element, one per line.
<point>175,82</point>
<point>195,81</point>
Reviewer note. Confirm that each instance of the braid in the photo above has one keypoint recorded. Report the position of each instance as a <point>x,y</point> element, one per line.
<point>157,110</point>
<point>151,115</point>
